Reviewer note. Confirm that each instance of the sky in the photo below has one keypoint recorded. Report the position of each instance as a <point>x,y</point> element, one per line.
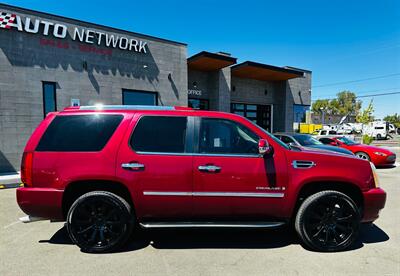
<point>348,45</point>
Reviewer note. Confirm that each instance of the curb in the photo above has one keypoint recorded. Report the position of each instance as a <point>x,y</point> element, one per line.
<point>11,185</point>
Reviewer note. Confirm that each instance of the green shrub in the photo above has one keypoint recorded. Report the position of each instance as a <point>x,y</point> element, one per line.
<point>366,139</point>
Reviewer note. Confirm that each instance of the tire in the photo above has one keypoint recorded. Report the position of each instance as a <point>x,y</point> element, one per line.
<point>328,221</point>
<point>362,155</point>
<point>378,137</point>
<point>100,222</point>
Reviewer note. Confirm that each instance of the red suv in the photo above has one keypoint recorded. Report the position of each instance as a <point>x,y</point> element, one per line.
<point>107,169</point>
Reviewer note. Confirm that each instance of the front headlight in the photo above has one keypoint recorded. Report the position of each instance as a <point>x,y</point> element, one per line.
<point>373,168</point>
<point>380,153</point>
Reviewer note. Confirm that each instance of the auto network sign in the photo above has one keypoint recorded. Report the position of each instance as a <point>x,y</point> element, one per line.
<point>61,31</point>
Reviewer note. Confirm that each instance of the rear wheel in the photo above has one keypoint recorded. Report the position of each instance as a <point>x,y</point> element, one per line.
<point>328,221</point>
<point>362,155</point>
<point>99,222</point>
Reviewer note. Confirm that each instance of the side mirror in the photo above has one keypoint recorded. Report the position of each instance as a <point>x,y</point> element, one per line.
<point>263,147</point>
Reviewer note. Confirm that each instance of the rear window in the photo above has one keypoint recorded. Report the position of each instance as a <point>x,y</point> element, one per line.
<point>79,133</point>
<point>160,134</point>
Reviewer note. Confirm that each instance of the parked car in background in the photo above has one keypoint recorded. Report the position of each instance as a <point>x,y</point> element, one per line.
<point>106,169</point>
<point>306,140</point>
<point>377,155</point>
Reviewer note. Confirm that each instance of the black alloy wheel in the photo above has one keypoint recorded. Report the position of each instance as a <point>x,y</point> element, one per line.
<point>328,221</point>
<point>99,222</point>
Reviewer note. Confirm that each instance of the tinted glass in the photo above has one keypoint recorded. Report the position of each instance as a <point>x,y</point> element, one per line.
<point>287,139</point>
<point>219,136</point>
<point>347,141</point>
<point>299,113</point>
<point>326,140</point>
<point>307,140</point>
<point>130,97</point>
<point>79,133</point>
<point>49,97</point>
<point>160,134</point>
<point>198,104</point>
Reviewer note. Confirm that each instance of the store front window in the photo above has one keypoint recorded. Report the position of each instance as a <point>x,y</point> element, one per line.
<point>198,104</point>
<point>135,97</point>
<point>259,114</point>
<point>49,97</point>
<point>299,112</point>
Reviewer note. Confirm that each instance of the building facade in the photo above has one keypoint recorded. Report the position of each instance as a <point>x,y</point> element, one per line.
<point>49,62</point>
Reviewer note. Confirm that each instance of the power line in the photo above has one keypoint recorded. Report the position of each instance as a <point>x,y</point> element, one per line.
<point>374,95</point>
<point>332,94</point>
<point>359,80</point>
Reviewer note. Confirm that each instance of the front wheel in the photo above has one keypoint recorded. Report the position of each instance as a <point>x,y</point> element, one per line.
<point>99,222</point>
<point>328,221</point>
<point>362,155</point>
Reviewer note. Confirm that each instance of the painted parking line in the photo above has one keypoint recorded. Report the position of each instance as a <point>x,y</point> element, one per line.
<point>9,186</point>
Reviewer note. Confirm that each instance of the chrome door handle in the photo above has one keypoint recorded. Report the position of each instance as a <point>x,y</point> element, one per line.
<point>209,168</point>
<point>132,166</point>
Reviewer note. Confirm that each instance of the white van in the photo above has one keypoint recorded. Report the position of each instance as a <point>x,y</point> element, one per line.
<point>378,130</point>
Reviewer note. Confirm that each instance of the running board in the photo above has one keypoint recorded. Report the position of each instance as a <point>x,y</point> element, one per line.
<point>210,224</point>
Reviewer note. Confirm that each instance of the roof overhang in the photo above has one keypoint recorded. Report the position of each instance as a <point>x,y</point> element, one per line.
<point>206,61</point>
<point>264,72</point>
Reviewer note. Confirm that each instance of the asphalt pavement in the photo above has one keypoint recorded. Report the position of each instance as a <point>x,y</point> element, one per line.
<point>43,248</point>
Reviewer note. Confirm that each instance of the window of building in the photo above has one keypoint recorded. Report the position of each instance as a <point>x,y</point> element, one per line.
<point>79,133</point>
<point>198,104</point>
<point>299,112</point>
<point>134,97</point>
<point>49,97</point>
<point>219,136</point>
<point>160,134</point>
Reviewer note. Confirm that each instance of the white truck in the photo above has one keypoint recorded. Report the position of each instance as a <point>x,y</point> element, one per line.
<point>378,130</point>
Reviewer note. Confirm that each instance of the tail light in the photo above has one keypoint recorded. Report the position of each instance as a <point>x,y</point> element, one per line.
<point>26,168</point>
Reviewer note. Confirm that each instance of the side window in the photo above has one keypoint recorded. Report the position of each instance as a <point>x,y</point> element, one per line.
<point>325,140</point>
<point>332,132</point>
<point>79,132</point>
<point>323,132</point>
<point>287,139</point>
<point>220,136</point>
<point>160,134</point>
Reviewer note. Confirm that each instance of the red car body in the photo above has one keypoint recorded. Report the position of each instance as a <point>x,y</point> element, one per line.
<point>380,157</point>
<point>246,188</point>
<point>53,172</point>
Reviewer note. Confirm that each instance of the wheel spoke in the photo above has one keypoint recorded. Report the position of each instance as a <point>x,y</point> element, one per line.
<point>347,218</point>
<point>85,230</point>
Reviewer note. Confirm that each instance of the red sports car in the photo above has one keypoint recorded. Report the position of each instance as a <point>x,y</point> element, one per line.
<point>378,156</point>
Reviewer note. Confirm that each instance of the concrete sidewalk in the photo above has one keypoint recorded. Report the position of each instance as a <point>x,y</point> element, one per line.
<point>10,180</point>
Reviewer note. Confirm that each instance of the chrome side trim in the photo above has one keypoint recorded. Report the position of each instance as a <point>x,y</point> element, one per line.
<point>211,224</point>
<point>167,193</point>
<point>215,194</point>
<point>125,107</point>
<point>303,164</point>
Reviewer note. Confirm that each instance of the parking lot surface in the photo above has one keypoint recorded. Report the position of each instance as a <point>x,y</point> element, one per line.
<point>44,248</point>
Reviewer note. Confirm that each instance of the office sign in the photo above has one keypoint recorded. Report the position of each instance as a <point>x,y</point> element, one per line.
<point>61,31</point>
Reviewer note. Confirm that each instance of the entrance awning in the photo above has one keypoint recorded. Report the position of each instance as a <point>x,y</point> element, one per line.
<point>264,72</point>
<point>206,61</point>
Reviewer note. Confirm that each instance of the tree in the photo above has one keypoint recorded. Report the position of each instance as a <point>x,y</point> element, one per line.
<point>393,119</point>
<point>345,103</point>
<point>320,105</point>
<point>366,116</point>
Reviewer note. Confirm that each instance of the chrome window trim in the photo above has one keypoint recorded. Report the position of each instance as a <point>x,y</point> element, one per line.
<point>198,154</point>
<point>125,107</point>
<point>215,194</point>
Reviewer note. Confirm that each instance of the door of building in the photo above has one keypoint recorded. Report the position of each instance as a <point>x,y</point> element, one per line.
<point>259,114</point>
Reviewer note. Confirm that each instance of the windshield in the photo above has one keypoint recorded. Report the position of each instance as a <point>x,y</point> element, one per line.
<point>269,134</point>
<point>347,141</point>
<point>307,140</point>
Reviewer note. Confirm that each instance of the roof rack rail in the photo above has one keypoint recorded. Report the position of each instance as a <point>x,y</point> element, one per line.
<point>125,107</point>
